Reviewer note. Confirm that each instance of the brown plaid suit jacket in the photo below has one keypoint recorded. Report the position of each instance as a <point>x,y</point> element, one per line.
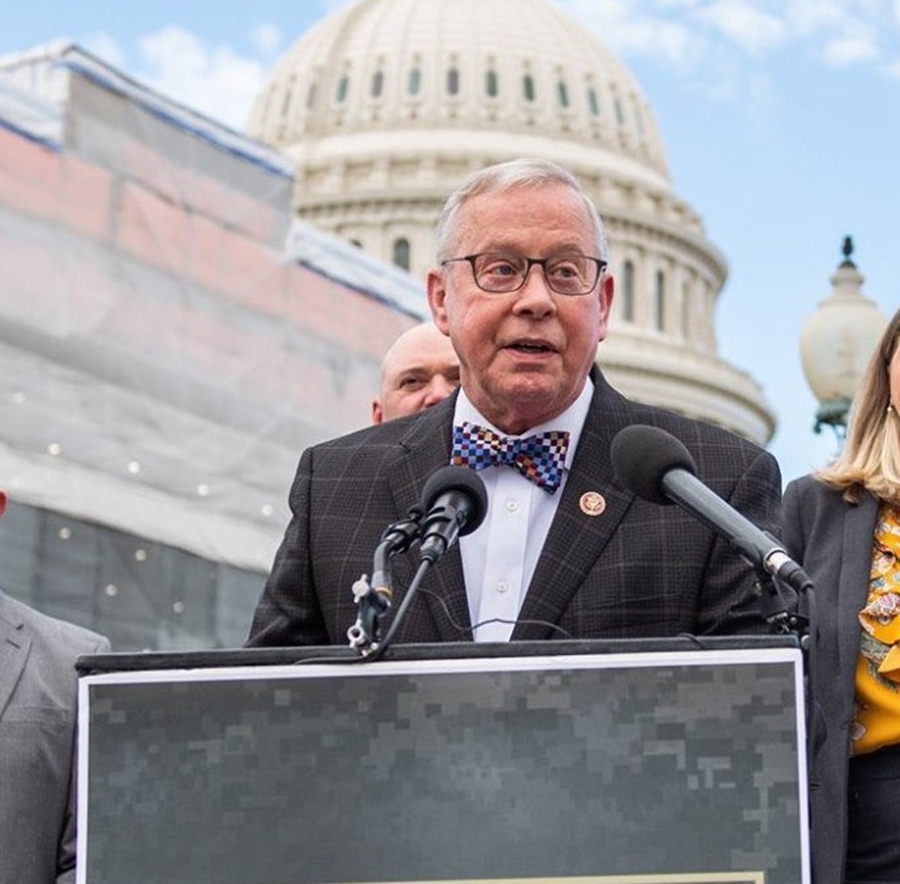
<point>636,570</point>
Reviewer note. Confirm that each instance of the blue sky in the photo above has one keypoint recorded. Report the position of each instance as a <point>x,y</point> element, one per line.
<point>781,120</point>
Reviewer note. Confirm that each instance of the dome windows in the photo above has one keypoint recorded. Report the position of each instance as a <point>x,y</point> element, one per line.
<point>660,301</point>
<point>453,80</point>
<point>414,80</point>
<point>628,291</point>
<point>377,86</point>
<point>343,86</point>
<point>401,253</point>
<point>491,83</point>
<point>415,66</point>
<point>528,91</point>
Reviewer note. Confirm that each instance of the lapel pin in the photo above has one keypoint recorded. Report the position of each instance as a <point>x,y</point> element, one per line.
<point>592,503</point>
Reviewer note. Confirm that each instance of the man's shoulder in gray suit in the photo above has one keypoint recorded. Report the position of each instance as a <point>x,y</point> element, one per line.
<point>52,639</point>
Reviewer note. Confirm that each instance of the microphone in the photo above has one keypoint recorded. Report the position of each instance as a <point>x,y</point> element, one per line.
<point>454,501</point>
<point>656,466</point>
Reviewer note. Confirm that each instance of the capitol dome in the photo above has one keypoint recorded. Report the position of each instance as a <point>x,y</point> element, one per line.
<point>386,105</point>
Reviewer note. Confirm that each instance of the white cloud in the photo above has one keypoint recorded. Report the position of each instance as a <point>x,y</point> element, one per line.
<point>810,16</point>
<point>744,23</point>
<point>843,51</point>
<point>683,33</point>
<point>627,29</point>
<point>218,82</point>
<point>266,38</point>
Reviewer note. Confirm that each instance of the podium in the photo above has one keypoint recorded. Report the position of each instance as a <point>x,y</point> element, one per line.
<point>634,762</point>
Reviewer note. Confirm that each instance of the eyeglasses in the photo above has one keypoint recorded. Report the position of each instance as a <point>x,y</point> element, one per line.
<point>503,272</point>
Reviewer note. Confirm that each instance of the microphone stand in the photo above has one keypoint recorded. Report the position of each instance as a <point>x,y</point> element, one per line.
<point>373,598</point>
<point>378,650</point>
<point>802,624</point>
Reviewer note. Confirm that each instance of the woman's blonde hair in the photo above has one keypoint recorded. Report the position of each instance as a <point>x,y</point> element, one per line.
<point>870,458</point>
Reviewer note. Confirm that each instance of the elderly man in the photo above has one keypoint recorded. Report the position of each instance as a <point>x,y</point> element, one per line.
<point>418,371</point>
<point>523,290</point>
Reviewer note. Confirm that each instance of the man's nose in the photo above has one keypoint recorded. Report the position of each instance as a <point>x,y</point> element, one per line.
<point>535,296</point>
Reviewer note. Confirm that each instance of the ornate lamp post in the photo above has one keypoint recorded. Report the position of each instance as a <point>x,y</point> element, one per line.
<point>836,343</point>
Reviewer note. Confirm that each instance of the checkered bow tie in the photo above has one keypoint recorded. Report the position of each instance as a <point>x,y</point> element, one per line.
<point>539,458</point>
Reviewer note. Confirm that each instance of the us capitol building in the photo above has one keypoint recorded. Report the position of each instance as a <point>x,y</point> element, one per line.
<point>386,105</point>
<point>186,307</point>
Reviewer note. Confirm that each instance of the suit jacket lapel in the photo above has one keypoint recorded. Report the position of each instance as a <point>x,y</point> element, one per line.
<point>427,448</point>
<point>15,645</point>
<point>576,539</point>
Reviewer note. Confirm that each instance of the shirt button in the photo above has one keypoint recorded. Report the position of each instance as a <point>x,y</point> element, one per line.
<point>502,586</point>
<point>512,506</point>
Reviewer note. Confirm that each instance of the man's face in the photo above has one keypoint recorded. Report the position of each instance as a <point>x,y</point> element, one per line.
<point>525,355</point>
<point>419,371</point>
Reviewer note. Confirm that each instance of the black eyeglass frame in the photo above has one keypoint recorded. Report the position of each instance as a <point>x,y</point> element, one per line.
<point>600,264</point>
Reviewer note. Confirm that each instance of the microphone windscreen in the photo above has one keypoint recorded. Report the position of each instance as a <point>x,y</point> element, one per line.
<point>642,455</point>
<point>462,480</point>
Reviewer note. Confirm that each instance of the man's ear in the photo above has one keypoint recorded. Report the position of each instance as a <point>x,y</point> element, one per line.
<point>437,299</point>
<point>606,292</point>
<point>377,413</point>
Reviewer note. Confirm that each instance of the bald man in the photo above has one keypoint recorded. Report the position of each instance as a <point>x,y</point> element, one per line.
<point>419,370</point>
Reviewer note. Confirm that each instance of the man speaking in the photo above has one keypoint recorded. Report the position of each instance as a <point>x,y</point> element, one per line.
<point>523,291</point>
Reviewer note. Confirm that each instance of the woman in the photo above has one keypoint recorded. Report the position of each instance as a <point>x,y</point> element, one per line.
<point>842,524</point>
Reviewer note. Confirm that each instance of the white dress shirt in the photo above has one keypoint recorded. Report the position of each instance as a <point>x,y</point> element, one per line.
<point>500,556</point>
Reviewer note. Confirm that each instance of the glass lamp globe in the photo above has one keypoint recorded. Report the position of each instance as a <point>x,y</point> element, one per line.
<point>837,341</point>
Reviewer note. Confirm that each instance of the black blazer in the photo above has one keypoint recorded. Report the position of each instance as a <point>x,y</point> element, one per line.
<point>833,541</point>
<point>636,570</point>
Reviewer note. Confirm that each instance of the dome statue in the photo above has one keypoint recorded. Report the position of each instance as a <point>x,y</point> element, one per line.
<point>386,105</point>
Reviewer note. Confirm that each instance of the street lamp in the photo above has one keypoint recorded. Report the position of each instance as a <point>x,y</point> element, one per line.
<point>836,343</point>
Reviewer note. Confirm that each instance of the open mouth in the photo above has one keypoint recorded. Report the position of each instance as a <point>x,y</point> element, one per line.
<point>531,347</point>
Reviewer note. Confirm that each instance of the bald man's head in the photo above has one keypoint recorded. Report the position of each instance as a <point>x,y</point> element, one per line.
<point>419,370</point>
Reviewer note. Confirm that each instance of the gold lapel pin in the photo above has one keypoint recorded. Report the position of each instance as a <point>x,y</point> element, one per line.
<point>592,503</point>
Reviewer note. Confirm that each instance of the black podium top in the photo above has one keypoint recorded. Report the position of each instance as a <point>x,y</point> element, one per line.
<point>149,660</point>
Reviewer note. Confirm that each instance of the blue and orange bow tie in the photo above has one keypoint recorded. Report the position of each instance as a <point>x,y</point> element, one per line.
<point>539,458</point>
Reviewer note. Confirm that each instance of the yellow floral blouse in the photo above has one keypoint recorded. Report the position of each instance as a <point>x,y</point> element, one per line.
<point>876,719</point>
